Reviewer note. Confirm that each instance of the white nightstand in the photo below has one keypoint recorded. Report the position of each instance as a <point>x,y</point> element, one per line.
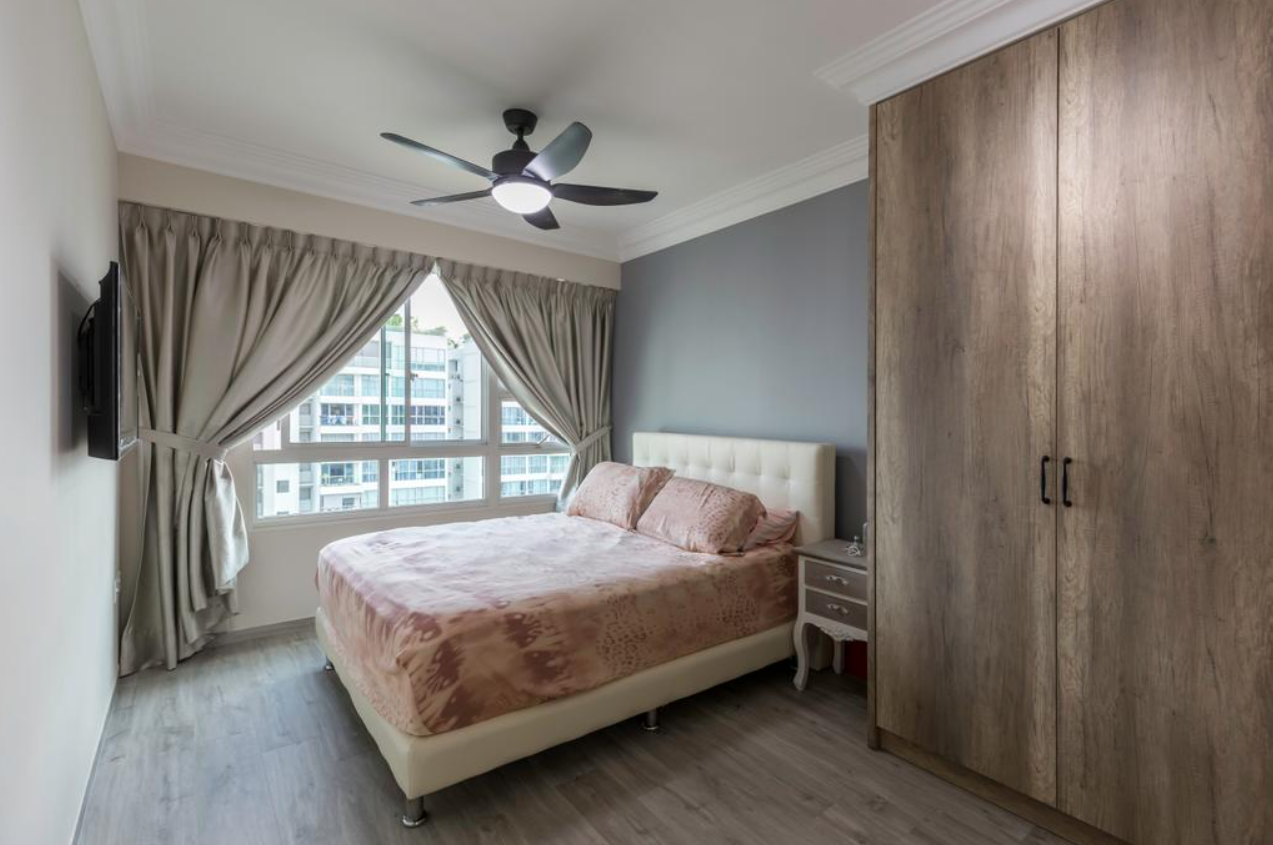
<point>833,595</point>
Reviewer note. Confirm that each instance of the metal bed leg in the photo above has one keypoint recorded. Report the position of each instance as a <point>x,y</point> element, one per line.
<point>651,722</point>
<point>414,815</point>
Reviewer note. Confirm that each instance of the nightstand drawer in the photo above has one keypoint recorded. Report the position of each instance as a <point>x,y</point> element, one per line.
<point>844,611</point>
<point>835,579</point>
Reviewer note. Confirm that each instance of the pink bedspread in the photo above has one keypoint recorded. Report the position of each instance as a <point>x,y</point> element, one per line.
<point>445,626</point>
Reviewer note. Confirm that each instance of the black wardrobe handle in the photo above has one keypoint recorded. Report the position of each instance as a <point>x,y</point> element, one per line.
<point>1043,479</point>
<point>1065,482</point>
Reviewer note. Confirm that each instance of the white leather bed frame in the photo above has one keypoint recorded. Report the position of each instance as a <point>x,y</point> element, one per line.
<point>783,474</point>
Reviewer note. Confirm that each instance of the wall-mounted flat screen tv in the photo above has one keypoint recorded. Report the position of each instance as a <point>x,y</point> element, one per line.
<point>108,369</point>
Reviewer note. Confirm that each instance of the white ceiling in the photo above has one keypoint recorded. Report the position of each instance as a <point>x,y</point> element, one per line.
<point>692,99</point>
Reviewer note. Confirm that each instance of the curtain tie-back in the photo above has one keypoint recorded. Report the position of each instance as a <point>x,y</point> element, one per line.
<point>184,444</point>
<point>590,439</point>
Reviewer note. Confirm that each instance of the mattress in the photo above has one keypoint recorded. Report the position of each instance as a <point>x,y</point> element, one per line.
<point>448,625</point>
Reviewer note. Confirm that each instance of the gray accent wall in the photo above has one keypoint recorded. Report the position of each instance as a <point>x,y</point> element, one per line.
<point>757,330</point>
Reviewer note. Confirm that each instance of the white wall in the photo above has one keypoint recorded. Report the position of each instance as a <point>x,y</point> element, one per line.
<point>57,506</point>
<point>278,583</point>
<point>171,186</point>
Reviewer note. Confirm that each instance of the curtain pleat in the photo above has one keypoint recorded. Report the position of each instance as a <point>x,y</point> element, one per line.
<point>237,325</point>
<point>550,343</point>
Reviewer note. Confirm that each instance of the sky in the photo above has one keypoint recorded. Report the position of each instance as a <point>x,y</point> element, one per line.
<point>431,306</point>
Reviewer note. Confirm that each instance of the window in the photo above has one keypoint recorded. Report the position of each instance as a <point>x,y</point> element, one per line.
<point>338,475</point>
<point>368,358</point>
<point>416,496</point>
<point>517,426</point>
<point>337,414</point>
<point>339,385</point>
<point>422,415</point>
<point>531,475</point>
<point>297,486</point>
<point>413,470</point>
<point>429,388</point>
<point>447,479</point>
<point>415,419</point>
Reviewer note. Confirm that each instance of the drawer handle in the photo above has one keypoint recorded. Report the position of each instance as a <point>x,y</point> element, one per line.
<point>1043,479</point>
<point>1065,482</point>
<point>838,608</point>
<point>836,579</point>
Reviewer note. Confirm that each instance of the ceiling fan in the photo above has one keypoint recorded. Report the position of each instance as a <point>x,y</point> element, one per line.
<point>521,180</point>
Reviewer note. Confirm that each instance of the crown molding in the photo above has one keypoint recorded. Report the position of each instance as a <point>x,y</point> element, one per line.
<point>834,168</point>
<point>944,37</point>
<point>269,166</point>
<point>118,40</point>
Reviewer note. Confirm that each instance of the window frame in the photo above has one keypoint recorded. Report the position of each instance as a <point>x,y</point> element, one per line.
<point>489,447</point>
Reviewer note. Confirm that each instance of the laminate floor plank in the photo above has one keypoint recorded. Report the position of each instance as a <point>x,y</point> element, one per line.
<point>252,743</point>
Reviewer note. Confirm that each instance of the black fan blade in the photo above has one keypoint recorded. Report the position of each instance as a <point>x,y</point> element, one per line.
<point>542,219</point>
<point>596,195</point>
<point>562,154</point>
<point>471,195</point>
<point>438,155</point>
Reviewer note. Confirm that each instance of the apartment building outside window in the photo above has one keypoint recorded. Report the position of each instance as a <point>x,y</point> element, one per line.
<point>415,419</point>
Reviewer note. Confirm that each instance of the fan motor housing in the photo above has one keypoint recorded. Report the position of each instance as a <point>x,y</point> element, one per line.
<point>509,162</point>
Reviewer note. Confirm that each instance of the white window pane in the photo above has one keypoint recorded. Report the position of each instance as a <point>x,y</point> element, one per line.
<point>316,487</point>
<point>347,407</point>
<point>517,426</point>
<point>531,475</point>
<point>420,481</point>
<point>269,439</point>
<point>395,336</point>
<point>447,382</point>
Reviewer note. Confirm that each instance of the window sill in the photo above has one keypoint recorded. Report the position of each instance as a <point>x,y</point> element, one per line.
<point>374,520</point>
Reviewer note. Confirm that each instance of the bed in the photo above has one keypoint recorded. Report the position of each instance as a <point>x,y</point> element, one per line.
<point>584,569</point>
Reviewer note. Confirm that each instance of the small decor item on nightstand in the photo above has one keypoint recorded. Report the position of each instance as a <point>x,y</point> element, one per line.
<point>833,583</point>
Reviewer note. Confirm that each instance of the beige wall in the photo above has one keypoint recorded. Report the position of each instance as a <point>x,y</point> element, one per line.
<point>278,583</point>
<point>168,185</point>
<point>57,505</point>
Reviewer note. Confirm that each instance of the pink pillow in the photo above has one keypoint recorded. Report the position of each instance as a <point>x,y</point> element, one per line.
<point>701,517</point>
<point>618,493</point>
<point>774,526</point>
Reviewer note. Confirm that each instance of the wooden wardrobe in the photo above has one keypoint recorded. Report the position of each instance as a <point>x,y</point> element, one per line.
<point>1072,424</point>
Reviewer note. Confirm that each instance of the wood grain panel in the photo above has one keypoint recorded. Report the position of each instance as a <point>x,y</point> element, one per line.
<point>1166,308</point>
<point>841,581</point>
<point>965,292</point>
<point>872,720</point>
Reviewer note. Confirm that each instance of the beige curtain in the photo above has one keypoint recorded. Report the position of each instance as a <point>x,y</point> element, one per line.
<point>550,343</point>
<point>238,324</point>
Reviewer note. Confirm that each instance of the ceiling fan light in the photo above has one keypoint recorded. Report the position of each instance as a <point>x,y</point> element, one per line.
<point>521,196</point>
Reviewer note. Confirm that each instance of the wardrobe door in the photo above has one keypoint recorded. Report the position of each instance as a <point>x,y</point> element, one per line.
<point>965,410</point>
<point>1166,356</point>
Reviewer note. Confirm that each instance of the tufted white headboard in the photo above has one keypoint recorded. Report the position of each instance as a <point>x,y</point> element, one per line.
<point>782,473</point>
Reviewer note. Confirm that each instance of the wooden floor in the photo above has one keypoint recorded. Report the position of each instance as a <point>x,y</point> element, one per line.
<point>253,743</point>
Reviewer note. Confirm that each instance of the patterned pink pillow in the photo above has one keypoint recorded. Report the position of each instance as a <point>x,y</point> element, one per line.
<point>618,493</point>
<point>701,517</point>
<point>777,525</point>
